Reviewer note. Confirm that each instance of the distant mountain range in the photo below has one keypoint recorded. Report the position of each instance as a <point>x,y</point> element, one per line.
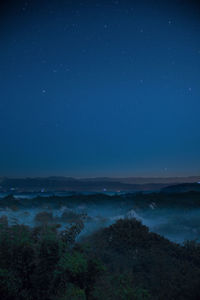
<point>147,180</point>
<point>182,188</point>
<point>101,184</point>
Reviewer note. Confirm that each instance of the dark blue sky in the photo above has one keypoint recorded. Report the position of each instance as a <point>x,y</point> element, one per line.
<point>94,88</point>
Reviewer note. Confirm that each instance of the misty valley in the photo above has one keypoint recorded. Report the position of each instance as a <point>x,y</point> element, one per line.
<point>174,216</point>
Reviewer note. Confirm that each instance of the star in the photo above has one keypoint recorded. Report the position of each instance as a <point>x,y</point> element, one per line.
<point>25,6</point>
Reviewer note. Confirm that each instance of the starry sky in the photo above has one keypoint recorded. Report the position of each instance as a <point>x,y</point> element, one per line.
<point>100,88</point>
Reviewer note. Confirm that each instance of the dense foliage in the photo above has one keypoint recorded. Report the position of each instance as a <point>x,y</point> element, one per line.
<point>123,261</point>
<point>41,263</point>
<point>165,269</point>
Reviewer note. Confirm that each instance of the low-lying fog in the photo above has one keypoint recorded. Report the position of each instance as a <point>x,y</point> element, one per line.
<point>177,225</point>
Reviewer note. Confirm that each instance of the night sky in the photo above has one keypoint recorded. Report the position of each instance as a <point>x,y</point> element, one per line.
<point>100,88</point>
